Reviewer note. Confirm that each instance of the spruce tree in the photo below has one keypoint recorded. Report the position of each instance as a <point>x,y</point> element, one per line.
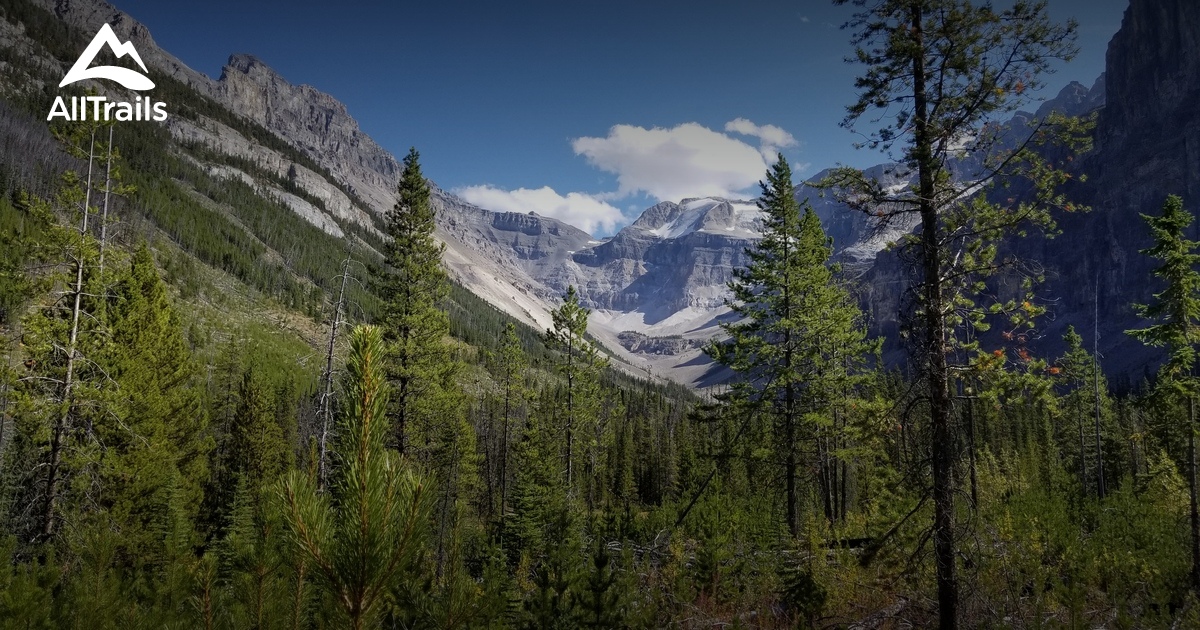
<point>1077,370</point>
<point>799,338</point>
<point>580,364</point>
<point>512,367</point>
<point>413,288</point>
<point>259,450</point>
<point>1176,312</point>
<point>154,438</point>
<point>64,338</point>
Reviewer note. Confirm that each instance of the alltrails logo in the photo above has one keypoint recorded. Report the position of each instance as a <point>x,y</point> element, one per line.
<point>99,107</point>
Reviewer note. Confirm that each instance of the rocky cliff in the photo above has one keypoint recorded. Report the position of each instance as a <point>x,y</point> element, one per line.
<point>1147,147</point>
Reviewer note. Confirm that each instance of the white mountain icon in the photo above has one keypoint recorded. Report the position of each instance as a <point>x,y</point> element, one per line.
<point>126,77</point>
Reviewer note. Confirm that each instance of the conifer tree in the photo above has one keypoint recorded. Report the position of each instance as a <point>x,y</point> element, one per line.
<point>154,437</point>
<point>512,366</point>
<point>413,287</point>
<point>581,365</point>
<point>1176,312</point>
<point>1077,369</point>
<point>364,535</point>
<point>939,71</point>
<point>259,450</point>
<point>257,560</point>
<point>67,326</point>
<point>66,338</point>
<point>554,601</point>
<point>799,338</point>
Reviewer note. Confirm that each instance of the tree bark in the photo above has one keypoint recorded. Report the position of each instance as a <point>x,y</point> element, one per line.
<point>1195,512</point>
<point>1101,490</point>
<point>971,449</point>
<point>68,385</point>
<point>107,190</point>
<point>936,370</point>
<point>1082,455</point>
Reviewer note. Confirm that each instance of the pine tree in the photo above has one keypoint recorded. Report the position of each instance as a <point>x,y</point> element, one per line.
<point>363,536</point>
<point>413,287</point>
<point>1177,313</point>
<point>603,598</point>
<point>71,326</point>
<point>259,451</point>
<point>1077,369</point>
<point>154,437</point>
<point>512,367</point>
<point>581,364</point>
<point>940,71</point>
<point>554,601</point>
<point>429,415</point>
<point>799,338</point>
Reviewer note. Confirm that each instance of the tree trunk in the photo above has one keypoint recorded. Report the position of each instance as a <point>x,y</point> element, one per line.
<point>68,384</point>
<point>504,449</point>
<point>1082,455</point>
<point>971,450</point>
<point>1195,512</point>
<point>570,409</point>
<point>107,189</point>
<point>327,395</point>
<point>790,474</point>
<point>1101,490</point>
<point>936,369</point>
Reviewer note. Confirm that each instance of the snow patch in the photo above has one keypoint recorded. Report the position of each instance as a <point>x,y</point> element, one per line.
<point>685,223</point>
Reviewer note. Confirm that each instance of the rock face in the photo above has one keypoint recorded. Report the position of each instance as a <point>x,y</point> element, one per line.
<point>314,122</point>
<point>1147,147</point>
<point>676,256</point>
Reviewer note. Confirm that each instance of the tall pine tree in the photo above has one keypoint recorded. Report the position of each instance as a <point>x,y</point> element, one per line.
<point>154,438</point>
<point>939,72</point>
<point>581,364</point>
<point>363,536</point>
<point>413,288</point>
<point>799,337</point>
<point>1177,313</point>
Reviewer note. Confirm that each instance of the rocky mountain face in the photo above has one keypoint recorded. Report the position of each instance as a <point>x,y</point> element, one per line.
<point>1147,147</point>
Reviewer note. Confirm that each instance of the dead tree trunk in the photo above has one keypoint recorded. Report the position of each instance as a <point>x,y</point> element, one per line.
<point>327,394</point>
<point>61,425</point>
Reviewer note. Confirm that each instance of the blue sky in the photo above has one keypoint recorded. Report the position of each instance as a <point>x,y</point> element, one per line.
<point>588,111</point>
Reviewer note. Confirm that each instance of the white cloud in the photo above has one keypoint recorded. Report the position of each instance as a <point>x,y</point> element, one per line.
<point>582,210</point>
<point>804,18</point>
<point>688,160</point>
<point>771,138</point>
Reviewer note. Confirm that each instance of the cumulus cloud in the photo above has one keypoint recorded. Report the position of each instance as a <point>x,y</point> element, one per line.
<point>584,211</point>
<point>771,138</point>
<point>688,160</point>
<point>667,164</point>
<point>804,18</point>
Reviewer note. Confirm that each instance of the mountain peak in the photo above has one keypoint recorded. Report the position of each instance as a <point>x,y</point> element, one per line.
<point>245,62</point>
<point>670,220</point>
